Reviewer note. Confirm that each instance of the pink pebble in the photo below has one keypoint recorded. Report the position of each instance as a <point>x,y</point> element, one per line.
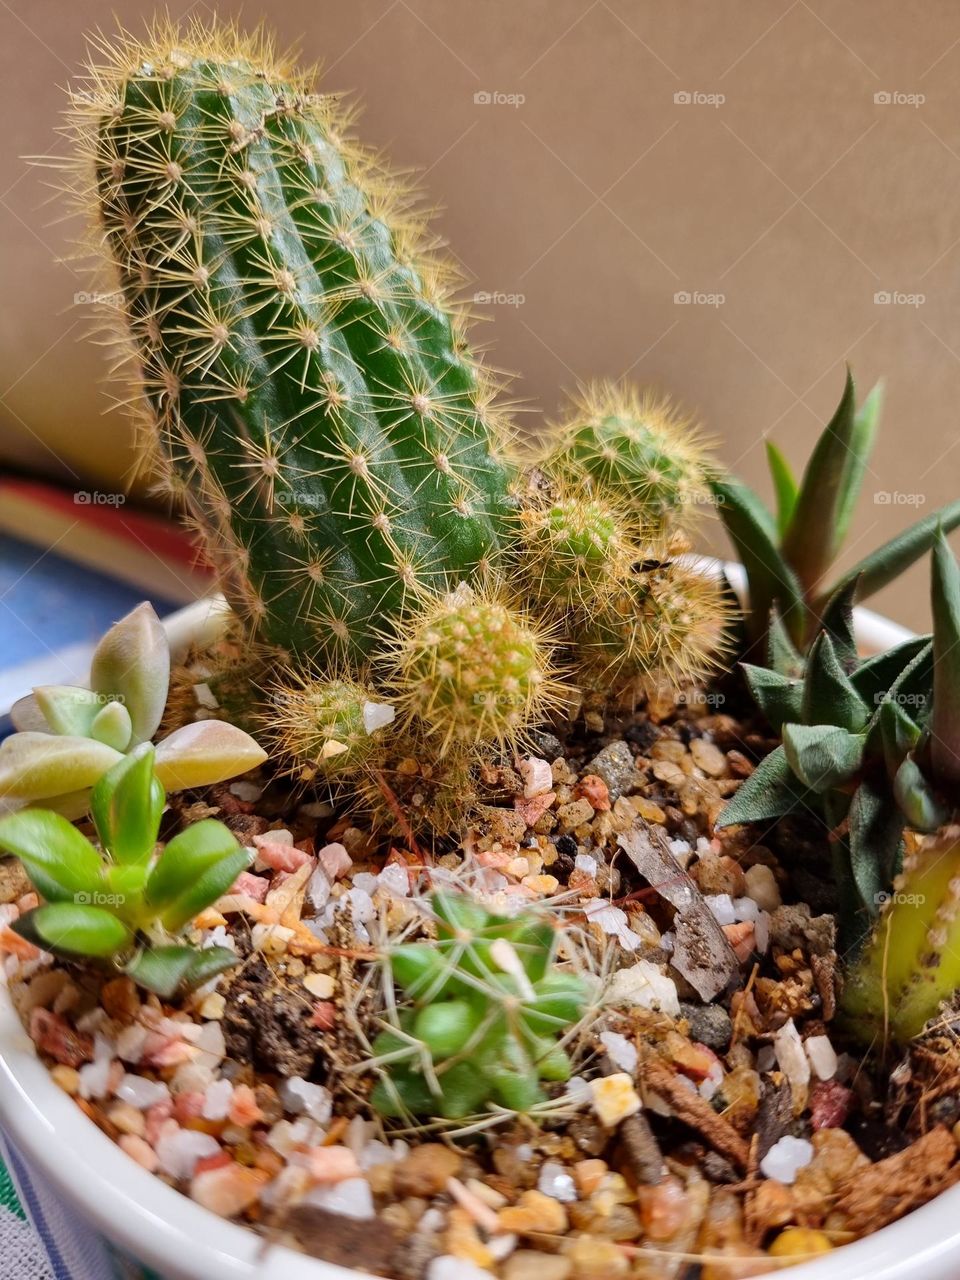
<point>332,1164</point>
<point>243,1107</point>
<point>156,1117</point>
<point>139,1150</point>
<point>250,886</point>
<point>494,858</point>
<point>281,857</point>
<point>188,1106</point>
<point>533,809</point>
<point>228,1189</point>
<point>829,1104</point>
<point>324,1015</point>
<point>335,860</point>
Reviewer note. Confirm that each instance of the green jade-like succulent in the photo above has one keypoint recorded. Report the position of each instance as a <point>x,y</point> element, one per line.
<point>124,902</point>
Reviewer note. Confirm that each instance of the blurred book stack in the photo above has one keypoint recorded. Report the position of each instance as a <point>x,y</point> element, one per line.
<point>72,563</point>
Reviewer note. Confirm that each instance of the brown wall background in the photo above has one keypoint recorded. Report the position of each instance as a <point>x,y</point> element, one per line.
<point>797,194</point>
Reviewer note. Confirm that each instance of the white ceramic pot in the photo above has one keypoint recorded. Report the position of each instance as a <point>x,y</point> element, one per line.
<point>105,1218</point>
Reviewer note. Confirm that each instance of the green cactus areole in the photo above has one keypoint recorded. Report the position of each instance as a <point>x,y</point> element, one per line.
<point>312,398</point>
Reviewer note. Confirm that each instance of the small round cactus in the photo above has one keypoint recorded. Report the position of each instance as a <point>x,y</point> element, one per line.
<point>669,620</point>
<point>636,443</point>
<point>575,549</point>
<point>471,669</point>
<point>326,728</point>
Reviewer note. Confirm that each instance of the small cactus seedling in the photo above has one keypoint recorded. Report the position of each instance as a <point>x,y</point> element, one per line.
<point>575,549</point>
<point>326,728</point>
<point>87,731</point>
<point>485,1008</point>
<point>635,444</point>
<point>311,396</point>
<point>667,620</point>
<point>787,558</point>
<point>125,902</point>
<point>471,670</point>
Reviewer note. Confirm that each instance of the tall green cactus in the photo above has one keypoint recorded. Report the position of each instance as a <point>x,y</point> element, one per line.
<point>312,395</point>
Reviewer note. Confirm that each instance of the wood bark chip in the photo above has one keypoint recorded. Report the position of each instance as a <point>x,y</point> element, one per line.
<point>886,1191</point>
<point>701,953</point>
<point>692,1110</point>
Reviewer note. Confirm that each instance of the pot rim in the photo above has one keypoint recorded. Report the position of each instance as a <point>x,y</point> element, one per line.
<point>173,1234</point>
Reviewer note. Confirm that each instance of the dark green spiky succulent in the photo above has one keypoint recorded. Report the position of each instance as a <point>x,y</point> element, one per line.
<point>787,557</point>
<point>485,1007</point>
<point>872,746</point>
<point>125,902</point>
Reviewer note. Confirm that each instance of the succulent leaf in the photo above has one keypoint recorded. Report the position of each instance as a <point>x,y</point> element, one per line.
<point>76,929</point>
<point>780,698</point>
<point>172,969</point>
<point>785,487</point>
<point>195,868</point>
<point>132,664</point>
<point>40,766</point>
<point>205,752</point>
<point>67,709</point>
<point>60,861</point>
<point>829,696</point>
<point>822,756</point>
<point>127,804</point>
<point>945,718</point>
<point>771,791</point>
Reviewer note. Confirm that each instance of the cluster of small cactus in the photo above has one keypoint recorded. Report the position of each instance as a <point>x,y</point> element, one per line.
<point>311,400</point>
<point>787,557</point>
<point>485,1009</point>
<point>124,903</point>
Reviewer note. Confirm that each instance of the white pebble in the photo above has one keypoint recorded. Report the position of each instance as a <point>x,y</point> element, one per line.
<point>537,776</point>
<point>395,879</point>
<point>746,909</point>
<point>643,985</point>
<point>785,1158</point>
<point>302,1097</point>
<point>622,1053</point>
<point>248,791</point>
<point>318,889</point>
<point>216,1102</point>
<point>179,1150</point>
<point>721,906</point>
<point>211,1043</point>
<point>131,1041</point>
<point>94,1078</point>
<point>584,862</point>
<point>791,1058</point>
<point>141,1092</point>
<point>556,1182</point>
<point>377,715</point>
<point>822,1056</point>
<point>351,1199</point>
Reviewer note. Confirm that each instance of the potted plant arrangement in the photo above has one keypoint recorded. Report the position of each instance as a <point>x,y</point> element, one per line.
<point>496,894</point>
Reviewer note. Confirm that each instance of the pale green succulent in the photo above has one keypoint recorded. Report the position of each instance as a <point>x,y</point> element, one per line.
<point>70,736</point>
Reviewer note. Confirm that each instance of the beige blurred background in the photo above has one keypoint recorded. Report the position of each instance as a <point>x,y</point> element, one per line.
<point>782,163</point>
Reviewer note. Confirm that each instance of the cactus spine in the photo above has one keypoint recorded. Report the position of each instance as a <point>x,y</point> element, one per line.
<point>312,395</point>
